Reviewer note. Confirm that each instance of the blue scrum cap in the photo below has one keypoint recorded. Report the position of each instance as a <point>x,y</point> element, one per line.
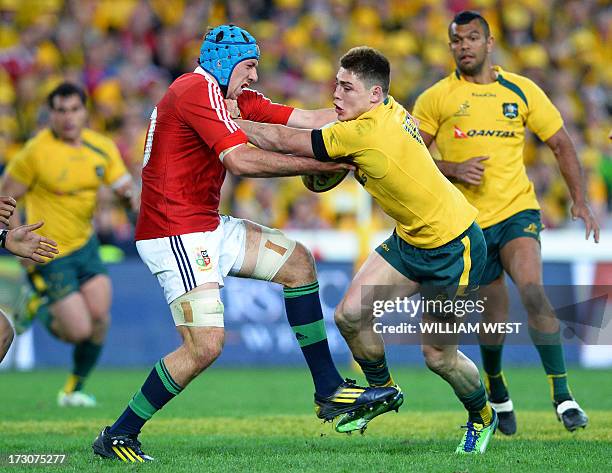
<point>223,48</point>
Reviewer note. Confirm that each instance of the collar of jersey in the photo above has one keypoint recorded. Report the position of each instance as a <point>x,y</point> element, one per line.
<point>497,68</point>
<point>202,72</point>
<point>384,103</point>
<point>56,137</point>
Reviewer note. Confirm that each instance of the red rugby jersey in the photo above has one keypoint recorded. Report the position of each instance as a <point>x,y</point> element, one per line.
<point>182,173</point>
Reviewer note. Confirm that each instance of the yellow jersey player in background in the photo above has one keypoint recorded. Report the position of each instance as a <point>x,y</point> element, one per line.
<point>58,173</point>
<point>477,117</point>
<point>436,244</point>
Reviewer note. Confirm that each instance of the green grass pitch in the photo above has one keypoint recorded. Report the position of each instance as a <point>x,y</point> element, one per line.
<point>263,420</point>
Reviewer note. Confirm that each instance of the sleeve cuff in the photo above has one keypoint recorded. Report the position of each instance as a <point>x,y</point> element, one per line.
<point>318,146</point>
<point>285,114</point>
<point>430,130</point>
<point>122,180</point>
<point>236,138</point>
<point>18,178</point>
<point>550,131</point>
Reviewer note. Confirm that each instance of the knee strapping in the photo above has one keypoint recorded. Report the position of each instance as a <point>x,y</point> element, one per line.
<point>274,250</point>
<point>198,309</point>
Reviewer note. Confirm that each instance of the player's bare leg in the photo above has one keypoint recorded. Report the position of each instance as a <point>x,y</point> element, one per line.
<point>71,321</point>
<point>6,335</point>
<point>443,358</point>
<point>354,317</point>
<point>269,255</point>
<point>298,270</point>
<point>521,258</point>
<point>449,363</point>
<point>201,345</point>
<point>97,293</point>
<point>82,318</point>
<point>200,348</point>
<point>491,347</point>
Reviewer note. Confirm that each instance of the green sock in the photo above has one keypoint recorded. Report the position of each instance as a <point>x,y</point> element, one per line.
<point>85,357</point>
<point>478,407</point>
<point>495,381</point>
<point>376,371</point>
<point>551,353</point>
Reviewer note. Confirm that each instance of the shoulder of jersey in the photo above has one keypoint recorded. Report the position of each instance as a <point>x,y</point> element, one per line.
<point>186,81</point>
<point>97,138</point>
<point>513,76</point>
<point>521,81</point>
<point>42,137</point>
<point>248,94</point>
<point>443,84</point>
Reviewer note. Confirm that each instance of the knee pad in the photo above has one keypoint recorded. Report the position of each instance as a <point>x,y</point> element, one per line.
<point>274,250</point>
<point>198,309</point>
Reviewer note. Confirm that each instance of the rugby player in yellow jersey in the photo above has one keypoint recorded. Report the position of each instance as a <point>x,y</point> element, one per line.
<point>435,243</point>
<point>58,173</point>
<point>477,117</point>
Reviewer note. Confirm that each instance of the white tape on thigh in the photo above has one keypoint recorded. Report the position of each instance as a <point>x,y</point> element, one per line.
<point>274,250</point>
<point>198,309</point>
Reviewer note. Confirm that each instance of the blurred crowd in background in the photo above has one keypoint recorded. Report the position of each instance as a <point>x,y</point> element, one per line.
<point>127,52</point>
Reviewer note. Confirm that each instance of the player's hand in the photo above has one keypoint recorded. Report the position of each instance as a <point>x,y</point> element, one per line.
<point>232,108</point>
<point>22,241</point>
<point>470,171</point>
<point>325,168</point>
<point>583,211</point>
<point>7,207</point>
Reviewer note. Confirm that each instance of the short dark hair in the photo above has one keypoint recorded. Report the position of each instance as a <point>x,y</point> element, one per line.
<point>370,65</point>
<point>66,89</point>
<point>465,16</point>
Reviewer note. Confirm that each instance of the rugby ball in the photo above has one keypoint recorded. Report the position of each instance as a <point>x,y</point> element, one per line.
<point>324,182</point>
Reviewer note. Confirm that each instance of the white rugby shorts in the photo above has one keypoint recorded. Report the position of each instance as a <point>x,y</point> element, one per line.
<point>183,262</point>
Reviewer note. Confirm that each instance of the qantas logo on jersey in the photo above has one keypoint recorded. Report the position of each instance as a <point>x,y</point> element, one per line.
<point>458,133</point>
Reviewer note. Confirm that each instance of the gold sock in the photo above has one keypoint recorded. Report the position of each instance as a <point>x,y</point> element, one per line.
<point>487,414</point>
<point>71,383</point>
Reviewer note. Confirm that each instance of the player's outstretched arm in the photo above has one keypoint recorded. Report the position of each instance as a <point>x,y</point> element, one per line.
<point>23,241</point>
<point>310,119</point>
<point>298,119</point>
<point>7,207</point>
<point>278,138</point>
<point>129,193</point>
<point>247,161</point>
<point>563,148</point>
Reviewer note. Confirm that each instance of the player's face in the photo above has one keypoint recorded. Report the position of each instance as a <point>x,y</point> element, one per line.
<point>68,117</point>
<point>469,46</point>
<point>244,74</point>
<point>351,96</point>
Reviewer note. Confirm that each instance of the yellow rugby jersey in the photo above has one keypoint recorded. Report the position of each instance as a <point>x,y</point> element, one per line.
<point>395,167</point>
<point>63,183</point>
<point>469,120</point>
